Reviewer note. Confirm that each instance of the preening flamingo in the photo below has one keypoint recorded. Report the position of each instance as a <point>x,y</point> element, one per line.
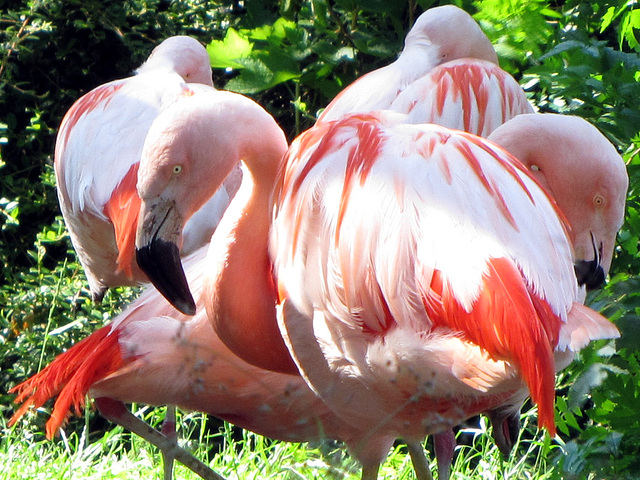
<point>425,276</point>
<point>97,152</point>
<point>447,74</point>
<point>155,355</point>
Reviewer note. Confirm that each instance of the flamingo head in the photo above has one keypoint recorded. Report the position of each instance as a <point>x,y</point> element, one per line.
<point>186,156</point>
<point>189,151</point>
<point>584,174</point>
<point>182,55</point>
<point>438,31</point>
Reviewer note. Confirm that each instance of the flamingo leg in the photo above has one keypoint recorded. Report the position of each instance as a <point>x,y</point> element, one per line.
<point>168,429</point>
<point>444,446</point>
<point>419,461</point>
<point>370,472</point>
<point>116,412</point>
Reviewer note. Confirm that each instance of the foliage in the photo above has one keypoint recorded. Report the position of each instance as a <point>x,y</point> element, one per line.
<point>293,56</point>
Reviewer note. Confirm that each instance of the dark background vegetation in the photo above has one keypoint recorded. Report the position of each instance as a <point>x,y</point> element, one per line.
<point>293,56</point>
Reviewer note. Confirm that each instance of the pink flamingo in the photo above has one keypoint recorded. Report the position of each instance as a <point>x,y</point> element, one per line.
<point>443,283</point>
<point>445,78</point>
<point>153,354</point>
<point>441,76</point>
<point>241,262</point>
<point>97,154</point>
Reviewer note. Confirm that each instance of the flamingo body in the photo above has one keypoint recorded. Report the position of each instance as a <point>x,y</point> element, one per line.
<point>472,95</point>
<point>440,77</point>
<point>433,41</point>
<point>153,354</point>
<point>97,153</point>
<point>425,265</point>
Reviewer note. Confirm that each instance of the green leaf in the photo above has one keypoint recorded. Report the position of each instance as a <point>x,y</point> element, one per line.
<point>225,53</point>
<point>607,19</point>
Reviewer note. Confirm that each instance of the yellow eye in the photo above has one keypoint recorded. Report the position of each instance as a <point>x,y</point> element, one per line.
<point>177,169</point>
<point>598,200</point>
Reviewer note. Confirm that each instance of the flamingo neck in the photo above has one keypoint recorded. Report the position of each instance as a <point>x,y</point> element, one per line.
<point>241,297</point>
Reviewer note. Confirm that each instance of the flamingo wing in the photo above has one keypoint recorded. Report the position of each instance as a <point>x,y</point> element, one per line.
<point>472,95</point>
<point>383,227</point>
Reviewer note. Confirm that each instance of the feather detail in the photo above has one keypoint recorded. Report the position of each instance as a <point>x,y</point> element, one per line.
<point>98,97</point>
<point>70,376</point>
<point>122,209</point>
<point>529,341</point>
<point>583,326</point>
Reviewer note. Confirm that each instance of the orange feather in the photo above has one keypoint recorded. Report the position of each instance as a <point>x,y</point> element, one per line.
<point>510,322</point>
<point>70,376</point>
<point>122,209</point>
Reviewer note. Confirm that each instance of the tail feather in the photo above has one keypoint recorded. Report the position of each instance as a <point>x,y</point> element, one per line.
<point>70,376</point>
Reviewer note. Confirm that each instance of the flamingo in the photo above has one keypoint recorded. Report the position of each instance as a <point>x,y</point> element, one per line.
<point>590,189</point>
<point>213,132</point>
<point>447,74</point>
<point>97,154</point>
<point>446,78</point>
<point>153,354</point>
<point>240,262</point>
<point>420,292</point>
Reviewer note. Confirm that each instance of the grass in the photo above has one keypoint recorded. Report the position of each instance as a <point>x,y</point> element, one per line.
<point>237,454</point>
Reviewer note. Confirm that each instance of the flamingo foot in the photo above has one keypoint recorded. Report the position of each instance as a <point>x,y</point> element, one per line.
<point>116,412</point>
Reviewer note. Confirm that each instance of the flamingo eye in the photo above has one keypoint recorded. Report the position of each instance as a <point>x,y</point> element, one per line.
<point>598,200</point>
<point>535,168</point>
<point>177,169</point>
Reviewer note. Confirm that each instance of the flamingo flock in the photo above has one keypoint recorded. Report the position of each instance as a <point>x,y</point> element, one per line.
<point>418,257</point>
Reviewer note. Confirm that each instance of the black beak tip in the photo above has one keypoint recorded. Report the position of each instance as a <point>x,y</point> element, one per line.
<point>589,273</point>
<point>506,428</point>
<point>160,260</point>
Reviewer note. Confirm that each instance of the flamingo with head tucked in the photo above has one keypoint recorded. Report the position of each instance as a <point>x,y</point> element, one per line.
<point>446,74</point>
<point>426,276</point>
<point>97,153</point>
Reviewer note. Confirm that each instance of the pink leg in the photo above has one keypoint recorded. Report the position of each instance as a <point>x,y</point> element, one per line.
<point>444,445</point>
<point>116,412</point>
<point>419,461</point>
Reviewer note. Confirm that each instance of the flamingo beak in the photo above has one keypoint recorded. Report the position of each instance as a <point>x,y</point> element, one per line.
<point>158,254</point>
<point>506,428</point>
<point>590,273</point>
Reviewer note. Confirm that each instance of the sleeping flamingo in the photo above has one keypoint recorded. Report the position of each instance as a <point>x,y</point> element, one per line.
<point>155,355</point>
<point>97,154</point>
<point>447,74</point>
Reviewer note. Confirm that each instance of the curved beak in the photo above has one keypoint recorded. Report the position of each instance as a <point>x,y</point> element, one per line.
<point>158,255</point>
<point>506,428</point>
<point>591,273</point>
